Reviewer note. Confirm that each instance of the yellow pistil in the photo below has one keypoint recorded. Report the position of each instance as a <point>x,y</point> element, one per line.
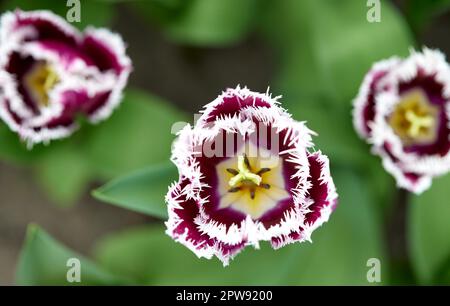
<point>414,119</point>
<point>417,123</point>
<point>40,80</point>
<point>244,174</point>
<point>50,80</point>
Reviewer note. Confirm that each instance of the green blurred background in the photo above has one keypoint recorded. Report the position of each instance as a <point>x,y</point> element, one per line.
<point>185,52</point>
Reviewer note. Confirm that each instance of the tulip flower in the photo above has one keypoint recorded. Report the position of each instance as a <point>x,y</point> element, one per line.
<point>248,172</point>
<point>53,73</point>
<point>403,111</point>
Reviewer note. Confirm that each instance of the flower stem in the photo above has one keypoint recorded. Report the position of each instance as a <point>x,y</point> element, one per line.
<point>401,269</point>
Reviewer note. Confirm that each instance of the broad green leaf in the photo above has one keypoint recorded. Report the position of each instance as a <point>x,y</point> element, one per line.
<point>338,254</point>
<point>63,172</point>
<point>430,229</point>
<point>213,22</point>
<point>326,47</point>
<point>138,134</point>
<point>93,12</point>
<point>142,191</point>
<point>43,261</point>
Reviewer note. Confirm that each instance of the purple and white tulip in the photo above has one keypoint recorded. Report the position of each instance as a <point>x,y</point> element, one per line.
<point>248,173</point>
<point>53,73</point>
<point>403,111</point>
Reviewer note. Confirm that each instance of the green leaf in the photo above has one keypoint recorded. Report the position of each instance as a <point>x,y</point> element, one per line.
<point>138,134</point>
<point>429,230</point>
<point>213,22</point>
<point>326,47</point>
<point>338,254</point>
<point>93,12</point>
<point>63,173</point>
<point>143,191</point>
<point>43,261</point>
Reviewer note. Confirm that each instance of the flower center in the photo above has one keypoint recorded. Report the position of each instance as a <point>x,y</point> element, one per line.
<point>251,184</point>
<point>244,178</point>
<point>414,119</point>
<point>41,79</point>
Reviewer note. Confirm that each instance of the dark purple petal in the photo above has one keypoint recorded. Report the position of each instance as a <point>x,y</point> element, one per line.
<point>47,26</point>
<point>368,113</point>
<point>187,213</point>
<point>280,241</point>
<point>232,105</point>
<point>19,66</point>
<point>276,215</point>
<point>102,54</point>
<point>67,53</point>
<point>77,101</point>
<point>320,188</point>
